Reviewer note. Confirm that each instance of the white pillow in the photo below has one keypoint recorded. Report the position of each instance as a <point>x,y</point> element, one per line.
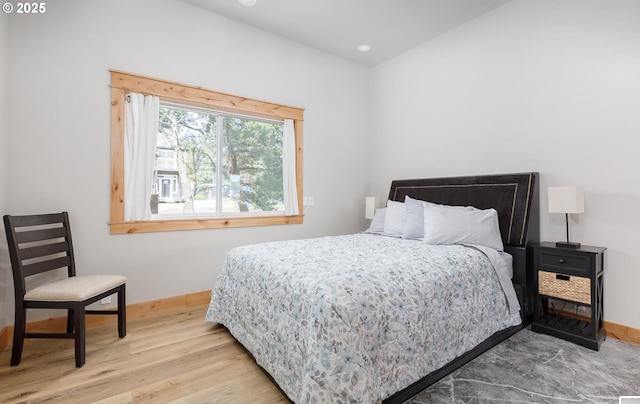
<point>414,222</point>
<point>443,225</point>
<point>394,219</point>
<point>377,223</point>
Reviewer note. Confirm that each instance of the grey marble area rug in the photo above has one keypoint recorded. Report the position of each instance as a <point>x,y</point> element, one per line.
<point>537,368</point>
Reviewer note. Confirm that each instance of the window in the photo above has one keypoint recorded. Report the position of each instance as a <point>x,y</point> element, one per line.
<point>218,159</point>
<point>210,162</point>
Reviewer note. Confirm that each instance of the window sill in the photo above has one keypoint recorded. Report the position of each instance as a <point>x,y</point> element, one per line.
<point>159,225</point>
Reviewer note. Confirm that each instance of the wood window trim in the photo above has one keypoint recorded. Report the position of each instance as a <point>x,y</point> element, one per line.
<point>122,83</point>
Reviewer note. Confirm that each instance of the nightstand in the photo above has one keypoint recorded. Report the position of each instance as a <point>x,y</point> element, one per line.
<point>570,275</point>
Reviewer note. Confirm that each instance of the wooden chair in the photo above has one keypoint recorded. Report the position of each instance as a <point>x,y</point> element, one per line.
<point>42,243</point>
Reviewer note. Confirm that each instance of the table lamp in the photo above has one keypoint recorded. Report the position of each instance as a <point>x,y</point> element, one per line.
<point>370,207</point>
<point>566,200</point>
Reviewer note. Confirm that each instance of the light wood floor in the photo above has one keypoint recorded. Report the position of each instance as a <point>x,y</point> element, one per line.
<point>171,356</point>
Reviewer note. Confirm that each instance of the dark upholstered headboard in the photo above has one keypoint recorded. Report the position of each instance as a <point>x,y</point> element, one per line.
<point>514,196</point>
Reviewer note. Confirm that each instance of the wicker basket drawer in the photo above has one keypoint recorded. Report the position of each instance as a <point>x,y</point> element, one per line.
<point>567,287</point>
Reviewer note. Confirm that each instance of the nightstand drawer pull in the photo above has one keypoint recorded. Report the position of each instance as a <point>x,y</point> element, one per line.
<point>561,277</point>
<point>562,261</point>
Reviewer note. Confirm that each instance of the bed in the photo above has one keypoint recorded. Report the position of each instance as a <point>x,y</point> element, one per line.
<point>371,318</point>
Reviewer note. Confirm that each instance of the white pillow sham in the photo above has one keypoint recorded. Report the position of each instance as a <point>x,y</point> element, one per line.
<point>461,225</point>
<point>377,223</point>
<point>394,219</point>
<point>414,222</point>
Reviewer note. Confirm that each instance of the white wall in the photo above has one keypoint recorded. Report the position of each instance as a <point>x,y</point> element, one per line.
<point>542,86</point>
<point>6,280</point>
<point>60,115</point>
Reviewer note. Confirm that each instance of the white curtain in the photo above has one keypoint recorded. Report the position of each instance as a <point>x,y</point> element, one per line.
<point>289,169</point>
<point>141,131</point>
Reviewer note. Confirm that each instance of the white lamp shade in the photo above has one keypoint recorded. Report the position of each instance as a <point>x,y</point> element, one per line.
<point>566,199</point>
<point>369,207</point>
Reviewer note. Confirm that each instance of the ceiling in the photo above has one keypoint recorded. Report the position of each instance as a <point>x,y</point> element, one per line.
<point>337,27</point>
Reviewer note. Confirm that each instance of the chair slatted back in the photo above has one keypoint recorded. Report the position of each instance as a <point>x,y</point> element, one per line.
<point>37,244</point>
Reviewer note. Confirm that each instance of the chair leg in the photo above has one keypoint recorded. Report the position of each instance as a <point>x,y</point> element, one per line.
<point>69,321</point>
<point>122,312</point>
<point>18,334</point>
<point>80,337</point>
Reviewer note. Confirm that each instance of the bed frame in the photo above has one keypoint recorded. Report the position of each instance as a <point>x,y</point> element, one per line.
<point>515,197</point>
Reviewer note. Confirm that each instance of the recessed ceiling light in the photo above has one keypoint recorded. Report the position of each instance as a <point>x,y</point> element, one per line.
<point>247,3</point>
<point>364,48</point>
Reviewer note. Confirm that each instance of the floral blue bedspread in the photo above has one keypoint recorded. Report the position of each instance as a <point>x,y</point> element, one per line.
<point>356,318</point>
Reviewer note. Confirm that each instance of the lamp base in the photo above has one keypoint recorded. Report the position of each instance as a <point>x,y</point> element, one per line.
<point>567,244</point>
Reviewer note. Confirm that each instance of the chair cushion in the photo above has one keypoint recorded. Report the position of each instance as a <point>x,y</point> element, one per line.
<point>75,288</point>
